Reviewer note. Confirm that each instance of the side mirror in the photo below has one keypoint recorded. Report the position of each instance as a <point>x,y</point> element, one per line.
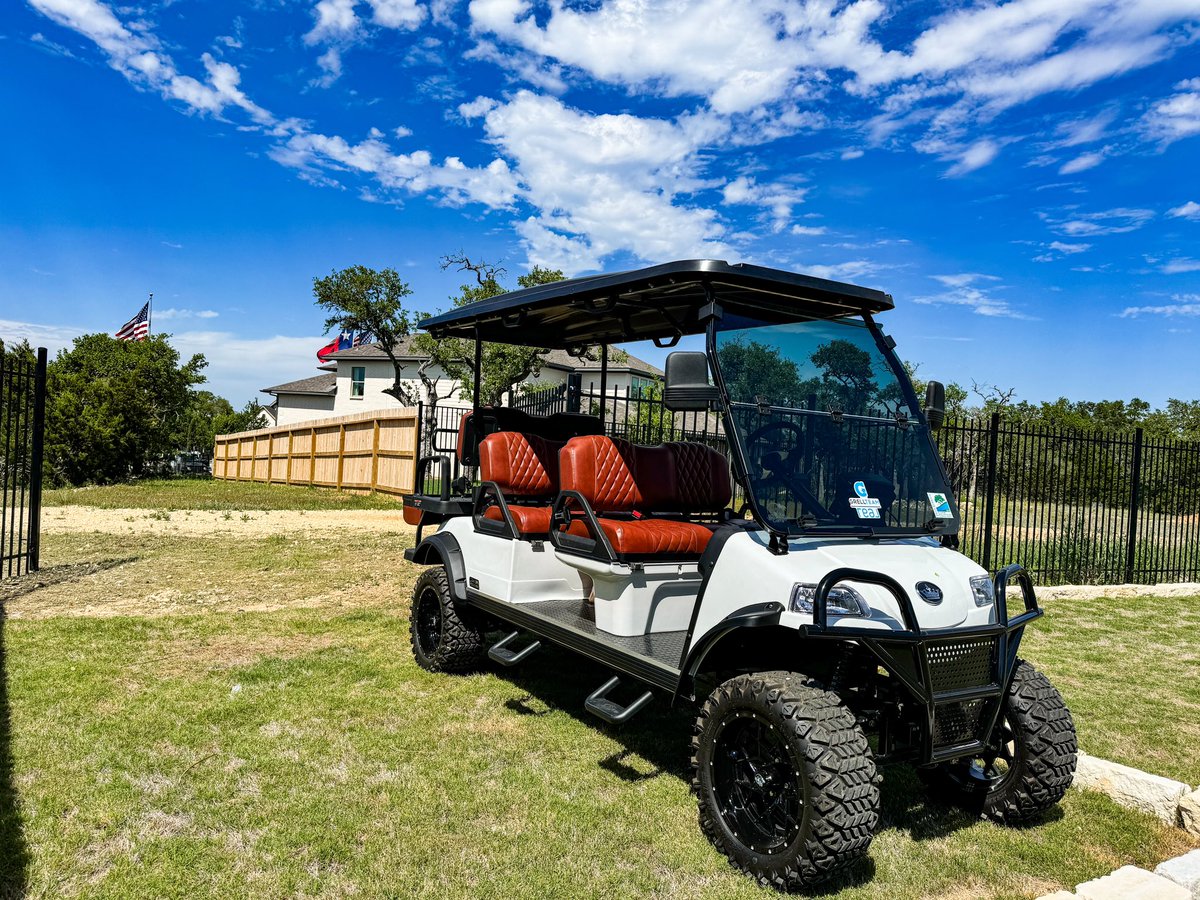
<point>935,404</point>
<point>686,387</point>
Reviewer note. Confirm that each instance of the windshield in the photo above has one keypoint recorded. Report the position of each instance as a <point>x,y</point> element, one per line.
<point>830,441</point>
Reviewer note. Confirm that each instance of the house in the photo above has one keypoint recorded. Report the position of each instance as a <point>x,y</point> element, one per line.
<point>354,380</point>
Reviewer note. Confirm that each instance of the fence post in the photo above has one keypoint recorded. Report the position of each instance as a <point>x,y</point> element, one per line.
<point>574,391</point>
<point>989,508</point>
<point>1134,502</point>
<point>35,470</point>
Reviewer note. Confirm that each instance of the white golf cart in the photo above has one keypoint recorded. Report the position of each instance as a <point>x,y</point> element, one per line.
<point>834,630</point>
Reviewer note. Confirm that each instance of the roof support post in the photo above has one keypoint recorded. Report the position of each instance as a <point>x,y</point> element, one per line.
<point>478,373</point>
<point>603,379</point>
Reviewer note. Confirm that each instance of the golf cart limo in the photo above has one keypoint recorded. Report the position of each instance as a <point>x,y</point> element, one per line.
<point>817,615</point>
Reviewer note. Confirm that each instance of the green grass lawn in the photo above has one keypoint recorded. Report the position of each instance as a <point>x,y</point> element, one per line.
<point>1130,670</point>
<point>205,493</point>
<point>221,717</point>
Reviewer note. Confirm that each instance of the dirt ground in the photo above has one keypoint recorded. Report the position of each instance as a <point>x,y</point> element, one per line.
<point>120,562</point>
<point>253,524</point>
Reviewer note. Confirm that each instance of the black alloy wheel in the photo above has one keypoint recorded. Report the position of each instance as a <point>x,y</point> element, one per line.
<point>756,783</point>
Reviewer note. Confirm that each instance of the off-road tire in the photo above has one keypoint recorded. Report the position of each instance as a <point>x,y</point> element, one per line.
<point>1043,764</point>
<point>455,643</point>
<point>831,767</point>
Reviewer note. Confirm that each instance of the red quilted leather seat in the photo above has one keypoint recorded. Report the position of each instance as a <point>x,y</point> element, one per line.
<point>619,477</point>
<point>525,468</point>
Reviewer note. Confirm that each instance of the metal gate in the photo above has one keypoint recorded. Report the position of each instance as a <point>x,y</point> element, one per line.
<point>22,421</point>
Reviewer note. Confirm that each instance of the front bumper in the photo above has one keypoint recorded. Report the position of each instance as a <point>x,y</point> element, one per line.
<point>958,676</point>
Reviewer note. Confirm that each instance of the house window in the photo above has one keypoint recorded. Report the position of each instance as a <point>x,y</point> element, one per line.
<point>358,381</point>
<point>639,386</point>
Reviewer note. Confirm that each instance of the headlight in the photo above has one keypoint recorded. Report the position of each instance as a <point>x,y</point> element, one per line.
<point>983,590</point>
<point>841,601</point>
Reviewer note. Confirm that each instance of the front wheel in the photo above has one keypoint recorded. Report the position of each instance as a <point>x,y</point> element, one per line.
<point>445,638</point>
<point>784,778</point>
<point>1029,764</point>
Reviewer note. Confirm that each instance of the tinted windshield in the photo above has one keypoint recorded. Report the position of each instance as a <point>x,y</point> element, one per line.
<point>829,438</point>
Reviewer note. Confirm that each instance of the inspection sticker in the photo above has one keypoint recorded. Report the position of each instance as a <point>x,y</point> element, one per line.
<point>941,505</point>
<point>867,512</point>
<point>872,502</point>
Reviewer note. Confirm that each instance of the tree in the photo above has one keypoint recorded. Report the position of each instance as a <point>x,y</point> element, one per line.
<point>114,405</point>
<point>504,366</point>
<point>362,299</point>
<point>208,415</point>
<point>752,370</point>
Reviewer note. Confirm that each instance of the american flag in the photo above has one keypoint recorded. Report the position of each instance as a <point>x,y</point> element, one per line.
<point>137,328</point>
<point>361,337</point>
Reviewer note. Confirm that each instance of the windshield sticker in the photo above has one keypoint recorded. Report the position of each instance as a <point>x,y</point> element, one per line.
<point>867,512</point>
<point>865,501</point>
<point>860,488</point>
<point>941,505</point>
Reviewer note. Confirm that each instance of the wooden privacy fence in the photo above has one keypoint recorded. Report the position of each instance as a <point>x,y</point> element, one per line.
<point>367,451</point>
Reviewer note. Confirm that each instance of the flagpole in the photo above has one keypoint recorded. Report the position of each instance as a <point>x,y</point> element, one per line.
<point>149,315</point>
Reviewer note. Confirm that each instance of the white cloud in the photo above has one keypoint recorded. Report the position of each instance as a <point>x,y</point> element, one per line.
<point>1110,221</point>
<point>1069,248</point>
<point>852,270</point>
<point>338,26</point>
<point>604,183</point>
<point>175,314</point>
<point>1082,163</point>
<point>1177,116</point>
<point>776,199</point>
<point>973,291</point>
<point>975,157</point>
<point>52,337</point>
<point>238,368</point>
<point>852,153</point>
<point>1189,210</point>
<point>1185,305</point>
<point>1075,132</point>
<point>1180,266</point>
<point>1059,249</point>
<point>808,230</point>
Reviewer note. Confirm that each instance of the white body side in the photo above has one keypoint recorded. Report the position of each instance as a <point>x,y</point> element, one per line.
<point>747,572</point>
<point>662,596</point>
<point>513,571</point>
<point>656,597</point>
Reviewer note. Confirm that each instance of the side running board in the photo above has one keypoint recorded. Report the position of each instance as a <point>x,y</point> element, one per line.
<point>610,711</point>
<point>500,653</point>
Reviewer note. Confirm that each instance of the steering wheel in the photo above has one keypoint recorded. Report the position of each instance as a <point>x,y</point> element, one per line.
<point>774,461</point>
<point>782,468</point>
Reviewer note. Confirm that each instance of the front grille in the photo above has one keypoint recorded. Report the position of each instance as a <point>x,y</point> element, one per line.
<point>956,665</point>
<point>958,723</point>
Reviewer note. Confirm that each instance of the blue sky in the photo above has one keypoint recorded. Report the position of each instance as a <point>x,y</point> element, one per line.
<point>1021,176</point>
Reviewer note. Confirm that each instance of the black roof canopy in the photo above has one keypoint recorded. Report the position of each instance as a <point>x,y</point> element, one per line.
<point>660,302</point>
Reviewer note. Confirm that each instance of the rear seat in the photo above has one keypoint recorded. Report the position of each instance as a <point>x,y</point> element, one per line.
<point>525,469</point>
<point>616,476</point>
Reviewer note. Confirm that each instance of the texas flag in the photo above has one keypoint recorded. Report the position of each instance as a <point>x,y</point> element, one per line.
<point>343,341</point>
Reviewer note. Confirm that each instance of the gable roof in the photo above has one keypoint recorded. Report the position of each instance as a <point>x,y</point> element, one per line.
<point>318,385</point>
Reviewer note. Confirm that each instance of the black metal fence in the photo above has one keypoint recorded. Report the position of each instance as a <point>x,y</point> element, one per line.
<point>22,419</point>
<point>1072,506</point>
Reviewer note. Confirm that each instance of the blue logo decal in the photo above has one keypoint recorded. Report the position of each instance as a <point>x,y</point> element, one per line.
<point>860,489</point>
<point>929,592</point>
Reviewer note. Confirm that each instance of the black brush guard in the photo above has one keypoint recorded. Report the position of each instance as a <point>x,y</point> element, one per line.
<point>959,675</point>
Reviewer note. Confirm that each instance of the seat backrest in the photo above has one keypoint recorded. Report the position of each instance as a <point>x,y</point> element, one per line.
<point>477,424</point>
<point>617,476</point>
<point>522,465</point>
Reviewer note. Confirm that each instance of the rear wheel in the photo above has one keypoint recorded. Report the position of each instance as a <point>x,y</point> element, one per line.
<point>1029,763</point>
<point>784,778</point>
<point>444,637</point>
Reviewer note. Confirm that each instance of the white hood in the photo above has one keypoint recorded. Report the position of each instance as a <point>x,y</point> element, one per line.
<point>747,572</point>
